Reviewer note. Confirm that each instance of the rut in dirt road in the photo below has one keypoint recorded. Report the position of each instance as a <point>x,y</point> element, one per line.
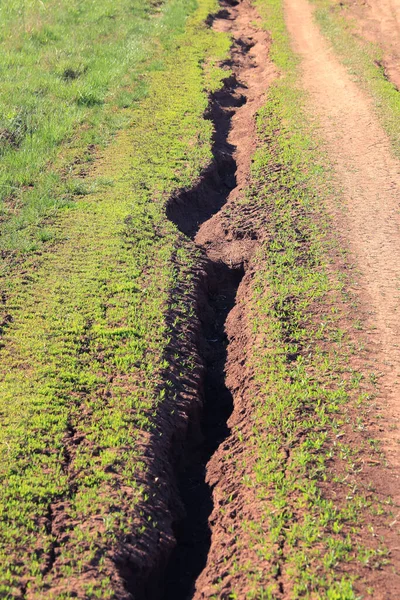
<point>369,176</point>
<point>196,213</point>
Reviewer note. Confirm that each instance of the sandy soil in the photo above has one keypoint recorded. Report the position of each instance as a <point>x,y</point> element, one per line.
<point>370,179</point>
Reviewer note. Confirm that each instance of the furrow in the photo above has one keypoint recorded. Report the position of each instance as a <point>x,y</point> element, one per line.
<point>200,214</point>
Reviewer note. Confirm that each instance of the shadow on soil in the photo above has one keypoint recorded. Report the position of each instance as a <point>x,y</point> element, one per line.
<point>193,533</point>
<point>189,210</point>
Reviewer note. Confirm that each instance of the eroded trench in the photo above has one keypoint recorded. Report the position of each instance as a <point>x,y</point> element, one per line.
<point>200,214</point>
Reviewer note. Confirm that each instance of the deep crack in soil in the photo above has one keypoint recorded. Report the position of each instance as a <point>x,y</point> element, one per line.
<point>197,214</point>
<point>193,533</point>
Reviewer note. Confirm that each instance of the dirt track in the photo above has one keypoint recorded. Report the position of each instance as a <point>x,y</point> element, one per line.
<point>370,178</point>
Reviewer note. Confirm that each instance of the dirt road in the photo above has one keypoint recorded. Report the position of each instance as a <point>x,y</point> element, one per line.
<point>369,224</point>
<point>370,178</point>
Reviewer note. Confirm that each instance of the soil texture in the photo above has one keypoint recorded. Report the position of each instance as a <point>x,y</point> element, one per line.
<point>378,21</point>
<point>200,214</point>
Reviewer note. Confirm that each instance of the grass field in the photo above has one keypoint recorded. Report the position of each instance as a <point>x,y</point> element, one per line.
<point>104,116</point>
<point>84,327</point>
<point>71,74</point>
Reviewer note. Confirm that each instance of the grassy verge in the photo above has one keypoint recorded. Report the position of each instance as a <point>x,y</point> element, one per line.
<point>311,537</point>
<point>364,61</point>
<point>84,334</point>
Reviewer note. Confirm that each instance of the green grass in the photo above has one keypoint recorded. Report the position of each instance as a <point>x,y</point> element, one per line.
<point>84,332</point>
<point>364,61</point>
<point>70,73</point>
<point>311,506</point>
<point>88,313</point>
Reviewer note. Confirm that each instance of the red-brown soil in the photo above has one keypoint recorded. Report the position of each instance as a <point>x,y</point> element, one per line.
<point>369,176</point>
<point>254,72</point>
<point>233,111</point>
